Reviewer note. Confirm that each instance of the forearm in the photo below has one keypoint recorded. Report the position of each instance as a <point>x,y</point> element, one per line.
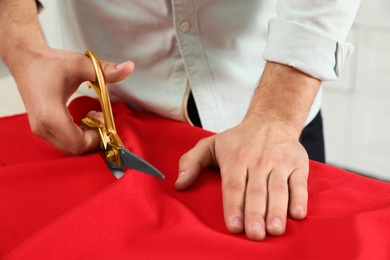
<point>283,94</point>
<point>21,36</point>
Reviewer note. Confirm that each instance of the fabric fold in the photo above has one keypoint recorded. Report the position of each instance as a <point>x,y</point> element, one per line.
<point>73,208</point>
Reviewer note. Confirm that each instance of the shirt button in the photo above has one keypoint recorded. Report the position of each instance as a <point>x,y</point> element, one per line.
<point>184,27</point>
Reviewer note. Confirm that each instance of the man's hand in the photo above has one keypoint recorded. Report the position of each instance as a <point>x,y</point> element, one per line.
<point>261,167</point>
<point>264,168</point>
<point>46,77</point>
<point>47,84</point>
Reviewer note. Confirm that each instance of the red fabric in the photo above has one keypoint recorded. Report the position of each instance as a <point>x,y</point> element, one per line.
<point>58,207</point>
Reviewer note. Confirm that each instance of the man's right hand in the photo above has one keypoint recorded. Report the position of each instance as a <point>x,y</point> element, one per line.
<point>47,77</point>
<point>47,83</point>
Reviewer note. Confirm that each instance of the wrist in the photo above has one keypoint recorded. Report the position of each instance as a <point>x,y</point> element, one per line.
<point>19,60</point>
<point>284,96</point>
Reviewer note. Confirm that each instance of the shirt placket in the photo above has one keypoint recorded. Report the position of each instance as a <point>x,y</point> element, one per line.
<point>195,61</point>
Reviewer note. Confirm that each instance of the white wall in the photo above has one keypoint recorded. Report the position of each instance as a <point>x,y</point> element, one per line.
<point>356,107</point>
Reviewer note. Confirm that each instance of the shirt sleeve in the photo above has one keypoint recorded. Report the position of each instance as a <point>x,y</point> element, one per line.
<point>310,35</point>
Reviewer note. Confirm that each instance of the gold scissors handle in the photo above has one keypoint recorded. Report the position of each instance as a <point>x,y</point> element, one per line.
<point>99,85</point>
<point>109,139</point>
<point>117,157</point>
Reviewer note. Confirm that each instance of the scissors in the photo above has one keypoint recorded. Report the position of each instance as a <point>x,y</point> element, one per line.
<point>117,157</point>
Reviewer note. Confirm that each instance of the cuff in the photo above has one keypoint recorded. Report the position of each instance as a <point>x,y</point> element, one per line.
<point>306,49</point>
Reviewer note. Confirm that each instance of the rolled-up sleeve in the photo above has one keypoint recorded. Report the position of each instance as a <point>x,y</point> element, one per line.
<point>310,35</point>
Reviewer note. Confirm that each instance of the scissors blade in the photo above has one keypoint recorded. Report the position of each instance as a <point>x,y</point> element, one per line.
<point>118,172</point>
<point>130,160</point>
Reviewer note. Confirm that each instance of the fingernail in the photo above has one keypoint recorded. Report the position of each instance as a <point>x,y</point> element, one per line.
<point>258,228</point>
<point>119,66</point>
<point>237,223</point>
<point>276,222</point>
<point>300,210</point>
<point>181,176</point>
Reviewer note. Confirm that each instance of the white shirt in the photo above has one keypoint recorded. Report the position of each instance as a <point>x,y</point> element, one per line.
<point>218,46</point>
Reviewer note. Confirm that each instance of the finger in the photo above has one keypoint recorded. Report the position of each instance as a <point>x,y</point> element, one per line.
<point>116,72</point>
<point>256,203</point>
<point>113,72</point>
<point>62,132</point>
<point>298,194</point>
<point>233,193</point>
<point>88,143</point>
<point>97,115</point>
<point>277,202</point>
<point>193,161</point>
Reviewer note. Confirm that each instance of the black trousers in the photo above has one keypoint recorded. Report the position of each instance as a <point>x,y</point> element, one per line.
<point>312,136</point>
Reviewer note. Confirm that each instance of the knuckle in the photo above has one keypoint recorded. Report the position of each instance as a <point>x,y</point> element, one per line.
<point>234,186</point>
<point>78,150</point>
<point>299,162</point>
<point>304,166</point>
<point>75,147</point>
<point>300,181</point>
<point>46,122</point>
<point>203,142</point>
<point>261,162</point>
<point>39,125</point>
<point>185,158</point>
<point>257,214</point>
<point>257,191</point>
<point>35,127</point>
<point>38,130</point>
<point>240,158</point>
<point>105,65</point>
<point>278,185</point>
<point>231,207</point>
<point>188,161</point>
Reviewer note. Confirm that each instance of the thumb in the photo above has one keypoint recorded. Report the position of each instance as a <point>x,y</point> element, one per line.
<point>192,162</point>
<point>116,72</point>
<point>113,72</point>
